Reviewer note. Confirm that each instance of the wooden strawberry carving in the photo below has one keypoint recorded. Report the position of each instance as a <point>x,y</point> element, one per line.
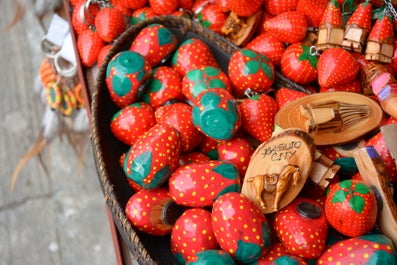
<point>155,43</point>
<point>285,95</point>
<point>211,256</point>
<point>110,23</point>
<point>372,248</point>
<point>289,27</point>
<point>299,64</point>
<point>331,27</point>
<point>336,66</point>
<point>240,227</point>
<point>215,114</point>
<point>268,45</point>
<point>191,54</point>
<point>192,234</point>
<point>132,121</point>
<point>351,207</point>
<point>302,228</point>
<point>164,85</point>
<point>211,16</point>
<point>151,160</point>
<point>89,45</point>
<point>250,69</point>
<point>257,116</point>
<point>125,74</point>
<point>200,184</point>
<point>197,80</point>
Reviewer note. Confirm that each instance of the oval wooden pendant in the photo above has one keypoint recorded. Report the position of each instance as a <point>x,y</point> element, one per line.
<point>279,169</point>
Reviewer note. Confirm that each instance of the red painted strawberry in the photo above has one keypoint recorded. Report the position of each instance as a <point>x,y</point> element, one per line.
<point>276,7</point>
<point>211,16</point>
<point>209,147</point>
<point>143,210</point>
<point>199,184</point>
<point>212,256</point>
<point>180,117</point>
<point>215,113</point>
<point>299,64</point>
<point>240,227</point>
<point>244,8</point>
<point>89,45</point>
<point>164,85</point>
<point>153,157</point>
<point>186,4</point>
<point>205,77</point>
<point>132,121</point>
<point>313,10</point>
<point>257,115</point>
<point>163,7</point>
<point>125,74</point>
<point>110,23</point>
<point>372,248</point>
<point>133,4</point>
<point>237,151</point>
<point>286,95</point>
<point>193,157</point>
<point>82,17</point>
<point>250,69</point>
<point>141,14</point>
<point>155,43</point>
<point>289,27</point>
<point>302,228</point>
<point>191,54</point>
<point>351,207</point>
<point>353,86</point>
<point>332,15</point>
<point>223,5</point>
<point>191,234</point>
<point>268,45</point>
<point>336,66</point>
<point>102,54</point>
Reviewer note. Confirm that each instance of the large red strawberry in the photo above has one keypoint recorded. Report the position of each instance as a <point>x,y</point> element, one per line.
<point>302,228</point>
<point>244,8</point>
<point>191,234</point>
<point>153,157</point>
<point>89,45</point>
<point>211,16</point>
<point>289,27</point>
<point>163,7</point>
<point>351,207</point>
<point>132,121</point>
<point>299,64</point>
<point>268,45</point>
<point>285,95</point>
<point>257,116</point>
<point>276,7</point>
<point>250,69</point>
<point>154,42</point>
<point>240,227</point>
<point>332,15</point>
<point>313,10</point>
<point>163,86</point>
<point>110,23</point>
<point>191,54</point>
<point>336,66</point>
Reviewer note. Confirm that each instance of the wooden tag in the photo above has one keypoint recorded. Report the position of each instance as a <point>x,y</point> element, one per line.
<point>279,169</point>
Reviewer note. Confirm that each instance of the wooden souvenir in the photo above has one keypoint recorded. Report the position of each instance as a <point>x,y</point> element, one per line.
<point>323,171</point>
<point>279,169</point>
<point>354,38</point>
<point>331,117</point>
<point>329,37</point>
<point>379,51</point>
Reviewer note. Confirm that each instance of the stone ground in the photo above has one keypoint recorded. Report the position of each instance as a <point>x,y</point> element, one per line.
<point>59,218</point>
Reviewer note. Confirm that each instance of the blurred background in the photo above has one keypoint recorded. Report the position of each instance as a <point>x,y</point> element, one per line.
<point>56,211</point>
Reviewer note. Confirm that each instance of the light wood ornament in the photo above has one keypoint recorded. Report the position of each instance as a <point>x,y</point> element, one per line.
<point>279,169</point>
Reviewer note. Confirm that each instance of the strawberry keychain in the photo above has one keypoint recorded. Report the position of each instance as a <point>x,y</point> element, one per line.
<point>331,30</point>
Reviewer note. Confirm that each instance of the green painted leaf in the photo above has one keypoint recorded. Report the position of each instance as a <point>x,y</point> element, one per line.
<point>195,75</point>
<point>141,166</point>
<point>251,67</point>
<point>160,177</point>
<point>249,53</point>
<point>165,36</point>
<point>290,260</point>
<point>247,252</point>
<point>381,257</point>
<point>227,189</point>
<point>357,203</point>
<point>268,70</point>
<point>339,196</point>
<point>362,188</point>
<point>155,85</point>
<point>346,184</point>
<point>227,170</point>
<point>216,83</point>
<point>378,238</point>
<point>313,60</point>
<point>198,88</point>
<point>121,86</point>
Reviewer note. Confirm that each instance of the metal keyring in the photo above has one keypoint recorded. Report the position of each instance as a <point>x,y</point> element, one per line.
<point>66,72</point>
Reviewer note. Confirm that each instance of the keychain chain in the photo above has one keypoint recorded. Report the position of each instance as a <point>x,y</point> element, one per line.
<point>390,9</point>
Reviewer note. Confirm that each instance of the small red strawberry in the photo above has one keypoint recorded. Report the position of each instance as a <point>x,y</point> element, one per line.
<point>132,121</point>
<point>362,16</point>
<point>211,16</point>
<point>257,116</point>
<point>153,157</point>
<point>268,45</point>
<point>289,27</point>
<point>141,14</point>
<point>199,184</point>
<point>89,45</point>
<point>302,228</point>
<point>192,234</point>
<point>313,10</point>
<point>110,23</point>
<point>191,54</point>
<point>286,95</point>
<point>186,4</point>
<point>331,27</point>
<point>125,74</point>
<point>209,147</point>
<point>82,17</point>
<point>244,8</point>
<point>336,66</point>
<point>154,42</point>
<point>102,54</point>
<point>250,69</point>
<point>223,5</point>
<point>163,7</point>
<point>133,4</point>
<point>238,151</point>
<point>240,227</point>
<point>299,64</point>
<point>332,15</point>
<point>351,207</point>
<point>164,85</point>
<point>276,7</point>
<point>353,86</point>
